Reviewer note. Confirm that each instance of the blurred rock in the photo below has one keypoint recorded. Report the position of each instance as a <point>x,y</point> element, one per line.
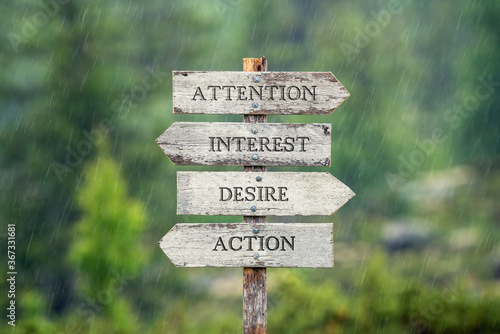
<point>402,236</point>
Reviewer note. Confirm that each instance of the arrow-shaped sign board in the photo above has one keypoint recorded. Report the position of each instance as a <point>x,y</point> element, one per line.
<point>269,144</point>
<point>259,194</point>
<point>250,245</point>
<point>282,93</point>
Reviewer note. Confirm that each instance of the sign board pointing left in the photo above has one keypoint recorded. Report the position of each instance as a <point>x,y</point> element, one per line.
<point>260,194</point>
<point>271,144</point>
<point>250,245</point>
<point>279,93</point>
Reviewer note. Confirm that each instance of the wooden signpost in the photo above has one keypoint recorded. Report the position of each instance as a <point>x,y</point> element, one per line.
<point>254,193</point>
<point>245,245</point>
<point>259,194</point>
<point>191,143</point>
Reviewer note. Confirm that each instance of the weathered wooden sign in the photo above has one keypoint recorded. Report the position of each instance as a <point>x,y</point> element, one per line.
<point>259,194</point>
<point>191,143</point>
<point>257,92</point>
<point>250,245</point>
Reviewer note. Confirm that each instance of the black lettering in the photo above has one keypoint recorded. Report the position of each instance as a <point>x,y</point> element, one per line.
<point>250,241</point>
<point>238,143</point>
<point>222,194</point>
<point>302,144</point>
<point>241,92</point>
<point>313,93</point>
<point>262,144</point>
<point>227,145</point>
<point>258,93</point>
<point>297,93</point>
<point>212,148</point>
<point>261,242</point>
<point>214,91</point>
<point>285,240</point>
<point>260,194</point>
<point>276,245</point>
<point>271,91</point>
<point>252,194</point>
<point>231,243</point>
<point>237,194</point>
<point>220,243</point>
<point>276,144</point>
<point>282,194</point>
<point>270,193</point>
<point>282,88</point>
<point>198,92</point>
<point>228,96</point>
<point>289,146</point>
<point>251,144</point>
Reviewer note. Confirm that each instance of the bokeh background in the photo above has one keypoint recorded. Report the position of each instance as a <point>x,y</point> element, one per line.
<point>85,89</point>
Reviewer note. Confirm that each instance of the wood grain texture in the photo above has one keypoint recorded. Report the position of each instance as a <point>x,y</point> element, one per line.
<point>254,301</point>
<point>328,93</point>
<point>277,245</point>
<point>209,143</point>
<point>200,193</point>
<point>254,279</point>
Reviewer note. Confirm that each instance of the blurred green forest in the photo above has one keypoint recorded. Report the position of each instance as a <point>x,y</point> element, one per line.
<point>85,89</point>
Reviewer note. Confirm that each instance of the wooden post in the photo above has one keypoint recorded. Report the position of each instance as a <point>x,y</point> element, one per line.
<point>254,279</point>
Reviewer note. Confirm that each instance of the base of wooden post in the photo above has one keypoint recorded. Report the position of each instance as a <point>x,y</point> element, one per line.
<point>254,301</point>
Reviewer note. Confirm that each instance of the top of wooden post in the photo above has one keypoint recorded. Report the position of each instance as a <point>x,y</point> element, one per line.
<point>255,64</point>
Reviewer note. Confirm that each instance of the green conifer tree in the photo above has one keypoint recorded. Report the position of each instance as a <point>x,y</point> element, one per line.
<point>106,250</point>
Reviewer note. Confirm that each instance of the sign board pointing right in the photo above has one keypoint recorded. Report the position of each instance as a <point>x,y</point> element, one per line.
<point>280,93</point>
<point>259,194</point>
<point>250,245</point>
<point>271,144</point>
